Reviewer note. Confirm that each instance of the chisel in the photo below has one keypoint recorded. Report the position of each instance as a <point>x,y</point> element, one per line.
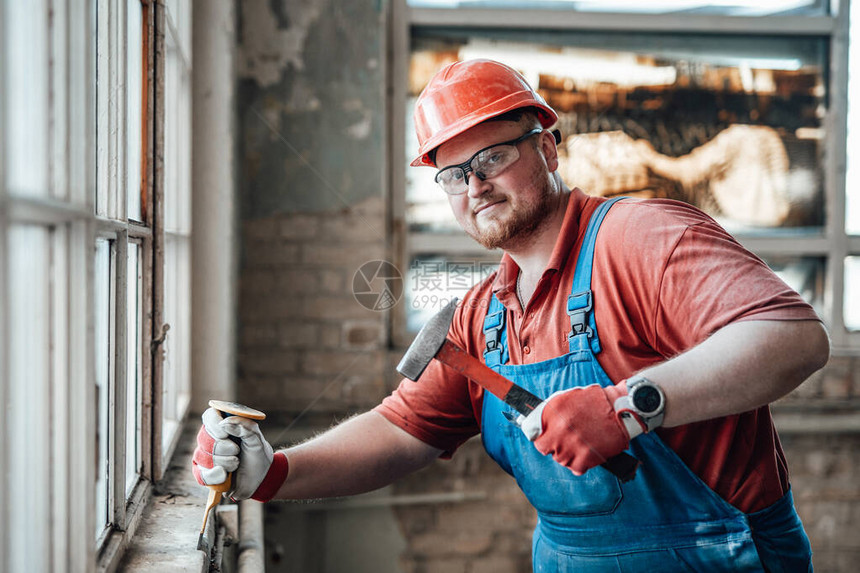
<point>215,491</point>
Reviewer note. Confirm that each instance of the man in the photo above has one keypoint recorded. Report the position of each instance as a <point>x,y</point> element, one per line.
<point>645,326</point>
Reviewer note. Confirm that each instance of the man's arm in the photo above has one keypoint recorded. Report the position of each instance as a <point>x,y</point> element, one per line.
<point>361,454</point>
<point>740,367</point>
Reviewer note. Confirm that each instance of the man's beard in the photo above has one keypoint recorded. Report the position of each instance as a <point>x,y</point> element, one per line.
<point>521,225</point>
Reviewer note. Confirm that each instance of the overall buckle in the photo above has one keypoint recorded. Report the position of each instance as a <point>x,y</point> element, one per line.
<point>578,307</point>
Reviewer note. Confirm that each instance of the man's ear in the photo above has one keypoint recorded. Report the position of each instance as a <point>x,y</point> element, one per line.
<point>549,148</point>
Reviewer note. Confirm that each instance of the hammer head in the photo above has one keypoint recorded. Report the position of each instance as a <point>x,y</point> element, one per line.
<point>430,339</point>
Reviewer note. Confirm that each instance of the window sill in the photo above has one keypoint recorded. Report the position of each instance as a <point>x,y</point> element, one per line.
<point>166,539</point>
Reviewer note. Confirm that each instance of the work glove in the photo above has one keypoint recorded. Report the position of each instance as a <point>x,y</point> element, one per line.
<point>257,472</point>
<point>580,427</point>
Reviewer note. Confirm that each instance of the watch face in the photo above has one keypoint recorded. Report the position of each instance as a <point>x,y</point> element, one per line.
<point>646,399</point>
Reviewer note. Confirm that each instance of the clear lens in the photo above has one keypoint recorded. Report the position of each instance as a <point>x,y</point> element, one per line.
<point>485,164</point>
<point>493,161</point>
<point>452,179</point>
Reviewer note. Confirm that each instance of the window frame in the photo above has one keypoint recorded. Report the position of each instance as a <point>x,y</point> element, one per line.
<point>79,152</point>
<point>833,244</point>
<point>111,222</point>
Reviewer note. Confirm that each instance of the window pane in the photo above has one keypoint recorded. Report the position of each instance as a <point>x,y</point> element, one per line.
<point>24,69</point>
<point>733,125</point>
<point>433,280</point>
<point>728,7</point>
<point>28,463</point>
<point>852,174</point>
<point>133,375</point>
<point>105,162</point>
<point>103,343</point>
<point>177,313</point>
<point>852,293</point>
<point>177,144</point>
<point>805,275</point>
<point>134,128</point>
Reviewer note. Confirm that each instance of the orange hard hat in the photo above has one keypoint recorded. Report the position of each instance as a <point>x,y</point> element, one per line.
<point>463,94</point>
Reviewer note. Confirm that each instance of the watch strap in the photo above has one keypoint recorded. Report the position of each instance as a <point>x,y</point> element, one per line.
<point>625,405</point>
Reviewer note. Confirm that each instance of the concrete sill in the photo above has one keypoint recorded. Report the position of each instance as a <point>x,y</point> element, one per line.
<point>166,539</point>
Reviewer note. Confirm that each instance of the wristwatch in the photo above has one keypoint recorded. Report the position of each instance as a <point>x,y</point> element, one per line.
<point>645,399</point>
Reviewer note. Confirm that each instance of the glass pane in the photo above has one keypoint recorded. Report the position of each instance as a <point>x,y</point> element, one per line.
<point>805,275</point>
<point>177,142</point>
<point>733,125</point>
<point>103,344</point>
<point>28,465</point>
<point>852,293</point>
<point>133,375</point>
<point>433,280</point>
<point>24,69</point>
<point>134,96</point>
<point>177,313</point>
<point>727,7</point>
<point>102,88</point>
<point>852,174</point>
<point>426,204</point>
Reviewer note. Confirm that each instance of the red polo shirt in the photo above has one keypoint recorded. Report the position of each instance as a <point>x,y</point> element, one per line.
<point>665,277</point>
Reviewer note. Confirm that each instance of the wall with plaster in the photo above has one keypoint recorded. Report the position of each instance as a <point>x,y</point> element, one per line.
<point>311,111</point>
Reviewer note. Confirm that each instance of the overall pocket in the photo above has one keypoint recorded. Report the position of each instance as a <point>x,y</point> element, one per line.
<point>554,489</point>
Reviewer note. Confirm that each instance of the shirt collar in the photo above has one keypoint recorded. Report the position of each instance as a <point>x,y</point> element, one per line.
<point>505,283</point>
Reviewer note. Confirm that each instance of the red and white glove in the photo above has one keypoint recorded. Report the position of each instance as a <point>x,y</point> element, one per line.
<point>257,472</point>
<point>580,427</point>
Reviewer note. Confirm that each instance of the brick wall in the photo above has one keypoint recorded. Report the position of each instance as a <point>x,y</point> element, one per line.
<point>303,337</point>
<point>820,433</point>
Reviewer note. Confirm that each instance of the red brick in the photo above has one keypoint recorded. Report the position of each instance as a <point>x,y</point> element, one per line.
<point>267,254</point>
<point>349,256</point>
<point>300,280</point>
<point>363,334</point>
<point>260,362</point>
<point>253,335</point>
<point>332,362</point>
<point>336,307</point>
<point>260,229</point>
<point>357,228</point>
<point>299,227</point>
<point>295,334</point>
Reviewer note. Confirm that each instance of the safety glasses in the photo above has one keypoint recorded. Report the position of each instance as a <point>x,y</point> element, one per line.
<point>486,163</point>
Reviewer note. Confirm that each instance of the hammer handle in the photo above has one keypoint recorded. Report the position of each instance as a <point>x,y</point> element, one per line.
<point>623,466</point>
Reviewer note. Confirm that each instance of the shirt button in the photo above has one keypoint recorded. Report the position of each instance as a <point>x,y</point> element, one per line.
<point>526,349</point>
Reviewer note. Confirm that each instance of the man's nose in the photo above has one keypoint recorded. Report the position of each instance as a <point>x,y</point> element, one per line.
<point>477,186</point>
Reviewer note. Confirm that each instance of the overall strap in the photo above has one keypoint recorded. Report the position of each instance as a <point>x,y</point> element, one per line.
<point>580,301</point>
<point>496,335</point>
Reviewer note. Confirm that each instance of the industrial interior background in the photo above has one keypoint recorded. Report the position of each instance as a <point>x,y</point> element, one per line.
<point>314,184</point>
<point>283,130</point>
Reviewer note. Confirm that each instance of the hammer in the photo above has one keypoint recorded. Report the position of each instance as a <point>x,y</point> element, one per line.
<point>432,342</point>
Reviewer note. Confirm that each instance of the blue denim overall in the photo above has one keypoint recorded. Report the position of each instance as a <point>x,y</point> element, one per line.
<point>665,519</point>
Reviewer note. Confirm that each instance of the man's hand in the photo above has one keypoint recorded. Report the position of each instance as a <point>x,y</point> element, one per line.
<point>579,427</point>
<point>257,471</point>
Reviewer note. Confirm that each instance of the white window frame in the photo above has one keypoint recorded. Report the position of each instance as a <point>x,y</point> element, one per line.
<point>64,109</point>
<point>833,244</point>
<point>175,211</point>
<point>63,153</point>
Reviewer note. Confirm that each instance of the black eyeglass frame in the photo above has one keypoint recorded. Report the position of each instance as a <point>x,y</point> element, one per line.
<point>466,166</point>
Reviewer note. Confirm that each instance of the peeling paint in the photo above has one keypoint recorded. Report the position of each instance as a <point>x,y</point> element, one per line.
<point>360,130</point>
<point>311,105</point>
<point>267,50</point>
